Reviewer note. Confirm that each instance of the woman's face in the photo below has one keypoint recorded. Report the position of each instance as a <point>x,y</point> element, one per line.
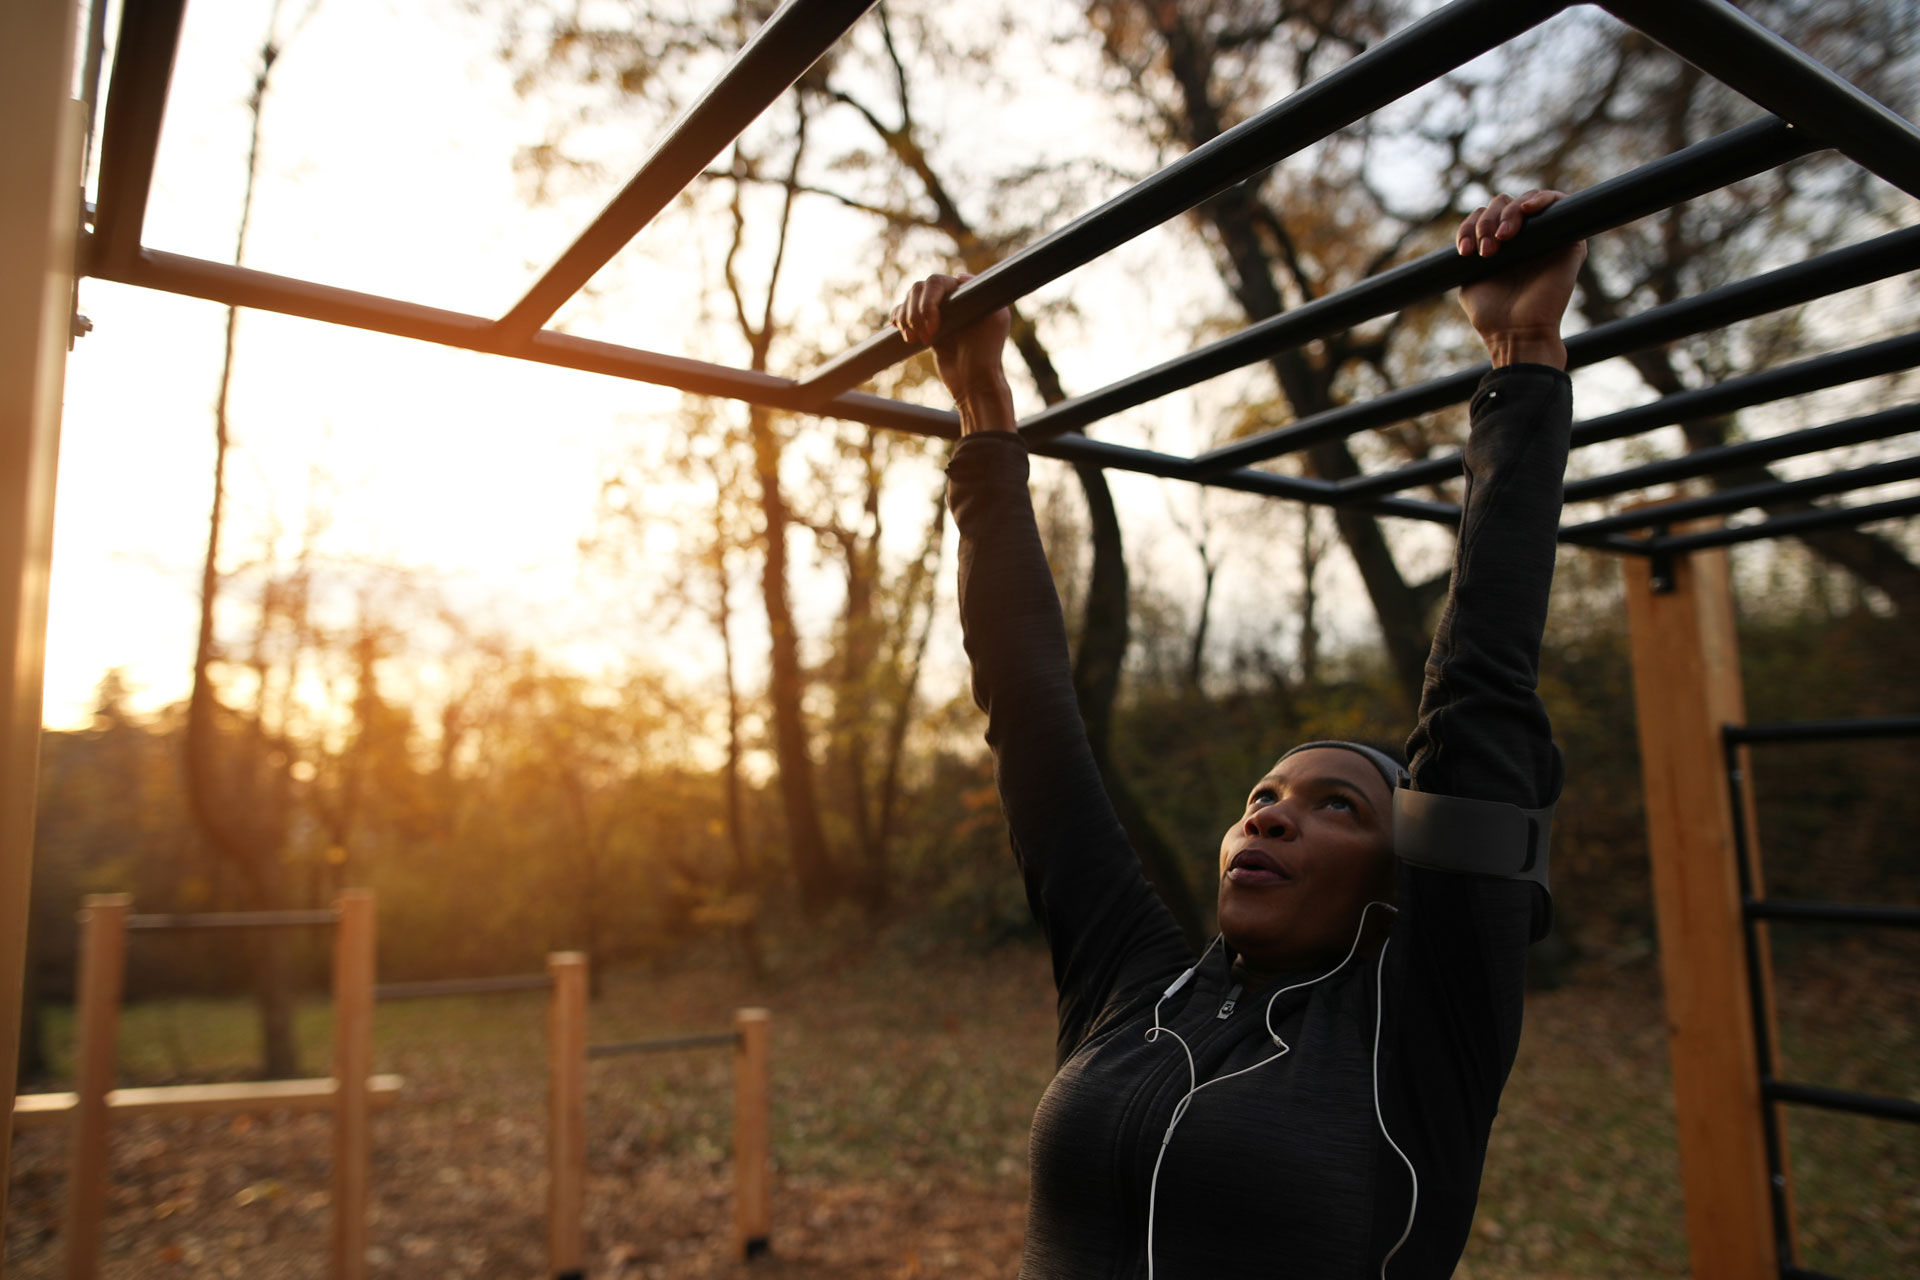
<point>1313,847</point>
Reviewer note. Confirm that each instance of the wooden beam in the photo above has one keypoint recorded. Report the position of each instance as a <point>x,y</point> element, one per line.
<point>48,1110</point>
<point>103,970</point>
<point>752,1152</point>
<point>1686,670</point>
<point>567,1116</point>
<point>353,968</point>
<point>40,151</point>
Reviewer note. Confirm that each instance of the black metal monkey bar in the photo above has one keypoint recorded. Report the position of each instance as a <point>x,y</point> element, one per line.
<point>1812,109</point>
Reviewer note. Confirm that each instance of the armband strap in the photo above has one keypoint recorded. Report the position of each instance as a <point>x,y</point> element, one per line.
<point>1479,837</point>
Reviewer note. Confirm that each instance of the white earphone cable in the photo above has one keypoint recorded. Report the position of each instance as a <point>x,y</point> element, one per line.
<point>1194,1087</point>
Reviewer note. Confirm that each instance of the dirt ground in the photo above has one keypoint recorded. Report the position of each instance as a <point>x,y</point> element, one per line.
<point>899,1132</point>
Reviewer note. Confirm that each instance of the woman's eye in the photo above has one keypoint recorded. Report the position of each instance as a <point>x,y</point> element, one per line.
<point>1341,801</point>
<point>1260,798</point>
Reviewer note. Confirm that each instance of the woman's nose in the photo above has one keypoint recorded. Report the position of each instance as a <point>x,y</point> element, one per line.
<point>1268,820</point>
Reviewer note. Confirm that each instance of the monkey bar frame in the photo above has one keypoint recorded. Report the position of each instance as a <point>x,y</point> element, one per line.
<point>1808,108</point>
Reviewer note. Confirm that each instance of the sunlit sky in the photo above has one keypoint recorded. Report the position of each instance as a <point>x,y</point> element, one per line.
<point>388,147</point>
<point>387,165</point>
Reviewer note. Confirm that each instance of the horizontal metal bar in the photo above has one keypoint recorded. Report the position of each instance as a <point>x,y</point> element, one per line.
<point>1875,359</point>
<point>462,987</point>
<point>1862,1104</point>
<point>1832,913</point>
<point>1705,166</point>
<point>1788,526</point>
<point>1411,57</point>
<point>143,57</point>
<point>1819,277</point>
<point>1801,1273</point>
<point>1756,495</point>
<point>1824,730</point>
<point>718,1040</point>
<point>234,920</point>
<point>245,287</point>
<point>766,66</point>
<point>1727,457</point>
<point>1751,60</point>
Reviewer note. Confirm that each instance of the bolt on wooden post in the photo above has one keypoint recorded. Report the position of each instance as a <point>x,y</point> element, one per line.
<point>752,1152</point>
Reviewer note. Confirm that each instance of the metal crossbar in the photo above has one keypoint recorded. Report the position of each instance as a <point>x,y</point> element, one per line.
<point>1810,108</point>
<point>1756,909</point>
<point>158,923</point>
<point>620,1048</point>
<point>444,987</point>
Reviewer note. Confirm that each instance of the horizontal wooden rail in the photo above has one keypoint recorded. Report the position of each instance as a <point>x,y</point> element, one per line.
<point>43,1110</point>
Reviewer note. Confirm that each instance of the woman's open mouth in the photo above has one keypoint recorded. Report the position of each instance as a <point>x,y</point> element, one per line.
<point>1253,868</point>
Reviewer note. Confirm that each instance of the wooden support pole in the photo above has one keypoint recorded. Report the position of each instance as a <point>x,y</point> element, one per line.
<point>103,969</point>
<point>752,1152</point>
<point>353,967</point>
<point>1686,671</point>
<point>567,1115</point>
<point>40,150</point>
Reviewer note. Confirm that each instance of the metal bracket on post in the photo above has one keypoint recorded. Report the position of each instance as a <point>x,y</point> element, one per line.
<point>1660,561</point>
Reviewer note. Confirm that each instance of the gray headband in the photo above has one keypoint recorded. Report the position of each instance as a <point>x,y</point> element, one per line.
<point>1392,770</point>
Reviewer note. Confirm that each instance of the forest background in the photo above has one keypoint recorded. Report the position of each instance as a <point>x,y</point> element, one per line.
<point>779,761</point>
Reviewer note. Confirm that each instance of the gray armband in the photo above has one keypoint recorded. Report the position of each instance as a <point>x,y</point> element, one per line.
<point>1479,837</point>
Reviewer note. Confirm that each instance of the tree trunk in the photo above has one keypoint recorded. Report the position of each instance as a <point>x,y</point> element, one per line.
<point>1104,636</point>
<point>806,842</point>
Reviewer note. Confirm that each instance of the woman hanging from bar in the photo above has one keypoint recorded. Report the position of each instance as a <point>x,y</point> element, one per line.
<point>1311,1096</point>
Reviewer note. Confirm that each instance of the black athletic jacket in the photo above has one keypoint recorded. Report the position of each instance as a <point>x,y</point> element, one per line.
<point>1281,1172</point>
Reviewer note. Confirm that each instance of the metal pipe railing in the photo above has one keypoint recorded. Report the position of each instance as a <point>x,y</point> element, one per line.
<point>143,56</point>
<point>1757,495</point>
<point>1792,525</point>
<point>1411,57</point>
<point>1792,909</point>
<point>1746,57</point>
<point>777,55</point>
<point>157,922</point>
<point>1875,359</point>
<point>1819,277</point>
<point>1705,166</point>
<point>1825,730</point>
<point>1860,1104</point>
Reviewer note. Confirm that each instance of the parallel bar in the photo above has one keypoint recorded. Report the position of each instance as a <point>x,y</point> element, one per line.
<point>1404,61</point>
<point>1705,166</point>
<point>1890,355</point>
<point>1830,273</point>
<point>618,1048</point>
<point>1748,58</point>
<point>1834,913</point>
<point>48,1110</point>
<point>1790,444</point>
<point>1789,525</point>
<point>234,920</point>
<point>244,287</point>
<point>778,54</point>
<point>1826,730</point>
<point>1756,495</point>
<point>461,987</point>
<point>136,101</point>
<point>1860,1104</point>
<point>1801,1273</point>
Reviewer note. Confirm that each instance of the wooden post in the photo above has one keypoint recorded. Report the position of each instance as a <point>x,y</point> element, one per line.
<point>103,968</point>
<point>752,1153</point>
<point>1686,671</point>
<point>353,965</point>
<point>567,1115</point>
<point>40,149</point>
